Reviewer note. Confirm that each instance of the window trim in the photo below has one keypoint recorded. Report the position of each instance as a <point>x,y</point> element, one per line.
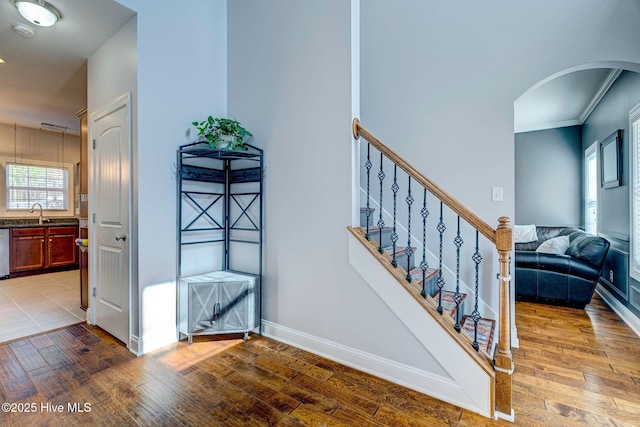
<point>591,151</point>
<point>634,187</point>
<point>19,213</point>
<point>64,190</point>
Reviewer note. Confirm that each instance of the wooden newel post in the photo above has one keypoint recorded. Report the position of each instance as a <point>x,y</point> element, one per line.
<point>503,362</point>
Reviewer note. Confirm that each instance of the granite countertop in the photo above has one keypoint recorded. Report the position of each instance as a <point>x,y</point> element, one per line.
<point>33,222</point>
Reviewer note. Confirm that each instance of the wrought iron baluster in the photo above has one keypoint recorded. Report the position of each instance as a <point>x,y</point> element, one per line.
<point>409,250</point>
<point>424,265</point>
<point>457,297</point>
<point>477,258</point>
<point>381,176</point>
<point>394,234</point>
<point>441,282</point>
<point>368,165</point>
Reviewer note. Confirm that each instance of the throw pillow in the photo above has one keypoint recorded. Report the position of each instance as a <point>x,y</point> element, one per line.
<point>524,233</point>
<point>557,245</point>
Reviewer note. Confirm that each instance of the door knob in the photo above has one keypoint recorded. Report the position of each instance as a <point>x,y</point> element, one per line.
<point>122,237</point>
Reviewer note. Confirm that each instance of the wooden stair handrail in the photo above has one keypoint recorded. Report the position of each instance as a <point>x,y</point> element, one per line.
<point>485,229</point>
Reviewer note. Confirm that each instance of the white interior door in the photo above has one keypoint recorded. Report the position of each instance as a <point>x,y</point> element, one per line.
<point>111,138</point>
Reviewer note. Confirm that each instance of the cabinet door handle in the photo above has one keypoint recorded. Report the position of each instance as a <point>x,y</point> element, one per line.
<point>121,237</point>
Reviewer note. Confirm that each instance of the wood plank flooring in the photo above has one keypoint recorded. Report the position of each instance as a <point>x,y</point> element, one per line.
<point>573,368</point>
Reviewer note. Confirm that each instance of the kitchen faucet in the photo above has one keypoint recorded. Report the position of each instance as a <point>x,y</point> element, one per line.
<point>40,217</point>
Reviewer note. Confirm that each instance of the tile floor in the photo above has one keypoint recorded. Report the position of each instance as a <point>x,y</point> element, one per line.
<point>34,304</point>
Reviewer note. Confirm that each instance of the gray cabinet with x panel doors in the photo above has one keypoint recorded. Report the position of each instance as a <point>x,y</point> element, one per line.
<point>219,302</point>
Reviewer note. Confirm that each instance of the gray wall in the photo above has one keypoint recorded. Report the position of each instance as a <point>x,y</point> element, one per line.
<point>549,177</point>
<point>613,113</point>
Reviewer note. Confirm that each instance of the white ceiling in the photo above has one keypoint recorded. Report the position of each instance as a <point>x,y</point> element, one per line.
<point>44,78</point>
<point>564,101</point>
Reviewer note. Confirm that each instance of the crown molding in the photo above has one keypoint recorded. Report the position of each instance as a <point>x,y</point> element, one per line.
<point>544,126</point>
<point>604,88</point>
<point>597,97</point>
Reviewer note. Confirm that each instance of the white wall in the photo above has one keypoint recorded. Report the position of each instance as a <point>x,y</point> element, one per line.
<point>181,77</point>
<point>290,83</point>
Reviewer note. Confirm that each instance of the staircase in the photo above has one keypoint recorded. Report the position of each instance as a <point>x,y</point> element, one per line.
<point>428,286</point>
<point>438,262</point>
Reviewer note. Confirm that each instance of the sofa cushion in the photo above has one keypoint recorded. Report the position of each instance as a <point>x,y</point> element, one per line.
<point>545,233</point>
<point>524,233</point>
<point>588,248</point>
<point>557,245</point>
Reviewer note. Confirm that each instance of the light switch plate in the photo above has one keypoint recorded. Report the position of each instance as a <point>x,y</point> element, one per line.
<point>497,194</point>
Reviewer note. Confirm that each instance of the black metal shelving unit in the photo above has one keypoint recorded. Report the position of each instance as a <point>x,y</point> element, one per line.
<point>220,210</point>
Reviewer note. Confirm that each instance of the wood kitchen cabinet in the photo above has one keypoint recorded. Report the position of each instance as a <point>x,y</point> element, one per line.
<point>62,248</point>
<point>42,248</point>
<point>27,249</point>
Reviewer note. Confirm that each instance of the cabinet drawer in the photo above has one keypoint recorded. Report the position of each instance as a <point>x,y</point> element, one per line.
<point>54,231</point>
<point>27,232</point>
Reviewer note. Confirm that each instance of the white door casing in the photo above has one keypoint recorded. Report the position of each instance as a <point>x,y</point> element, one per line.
<point>110,188</point>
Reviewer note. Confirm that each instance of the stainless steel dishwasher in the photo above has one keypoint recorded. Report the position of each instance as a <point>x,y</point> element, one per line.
<point>4,253</point>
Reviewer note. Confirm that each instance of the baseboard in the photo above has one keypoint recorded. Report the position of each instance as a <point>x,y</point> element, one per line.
<point>439,387</point>
<point>134,345</point>
<point>507,417</point>
<point>150,343</point>
<point>625,314</point>
<point>515,342</point>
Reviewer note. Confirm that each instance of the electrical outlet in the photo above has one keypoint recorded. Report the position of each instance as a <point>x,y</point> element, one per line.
<point>611,276</point>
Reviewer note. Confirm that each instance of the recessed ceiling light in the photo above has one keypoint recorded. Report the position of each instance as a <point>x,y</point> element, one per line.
<point>2,61</point>
<point>24,30</point>
<point>37,12</point>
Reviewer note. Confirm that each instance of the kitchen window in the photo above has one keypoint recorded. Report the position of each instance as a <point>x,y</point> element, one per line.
<point>28,184</point>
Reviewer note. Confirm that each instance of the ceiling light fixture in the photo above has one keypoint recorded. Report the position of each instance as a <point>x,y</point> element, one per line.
<point>51,126</point>
<point>2,61</point>
<point>38,12</point>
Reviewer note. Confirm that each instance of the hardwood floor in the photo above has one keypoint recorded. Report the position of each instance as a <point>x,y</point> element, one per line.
<point>573,367</point>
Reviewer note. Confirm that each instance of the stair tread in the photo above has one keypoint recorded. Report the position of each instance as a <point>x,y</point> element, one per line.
<point>416,274</point>
<point>448,304</point>
<point>399,250</point>
<point>376,229</point>
<point>486,328</point>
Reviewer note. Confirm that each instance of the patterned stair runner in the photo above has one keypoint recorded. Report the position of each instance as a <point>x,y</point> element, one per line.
<point>486,327</point>
<point>448,303</point>
<point>485,331</point>
<point>430,279</point>
<point>401,256</point>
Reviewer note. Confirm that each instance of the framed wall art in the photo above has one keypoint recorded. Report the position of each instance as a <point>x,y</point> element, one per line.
<point>611,161</point>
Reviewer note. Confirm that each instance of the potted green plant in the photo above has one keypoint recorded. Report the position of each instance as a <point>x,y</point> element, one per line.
<point>222,133</point>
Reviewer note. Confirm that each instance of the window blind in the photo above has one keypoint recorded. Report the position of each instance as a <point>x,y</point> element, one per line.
<point>29,184</point>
